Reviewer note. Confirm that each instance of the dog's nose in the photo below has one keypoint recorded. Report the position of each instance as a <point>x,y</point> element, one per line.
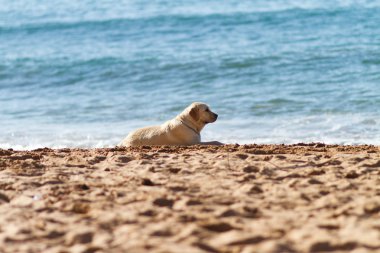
<point>216,115</point>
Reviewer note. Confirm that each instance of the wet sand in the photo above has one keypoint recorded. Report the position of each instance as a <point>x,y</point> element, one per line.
<point>250,198</point>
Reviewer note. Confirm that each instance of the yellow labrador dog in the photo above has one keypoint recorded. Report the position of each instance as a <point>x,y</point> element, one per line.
<point>182,130</point>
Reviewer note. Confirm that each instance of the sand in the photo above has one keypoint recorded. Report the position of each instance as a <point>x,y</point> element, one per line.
<point>251,198</point>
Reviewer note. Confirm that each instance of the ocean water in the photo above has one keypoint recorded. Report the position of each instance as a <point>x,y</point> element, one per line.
<point>85,73</point>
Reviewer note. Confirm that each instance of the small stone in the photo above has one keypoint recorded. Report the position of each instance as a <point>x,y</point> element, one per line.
<point>352,174</point>
<point>124,159</point>
<point>162,202</point>
<point>250,169</point>
<point>250,189</point>
<point>314,181</point>
<point>78,207</point>
<point>162,233</point>
<point>236,238</point>
<point>54,234</point>
<point>325,246</point>
<point>174,170</point>
<point>4,197</point>
<point>329,226</point>
<point>255,189</point>
<point>149,213</point>
<point>217,226</point>
<point>177,188</point>
<point>193,202</point>
<point>147,182</point>
<point>316,172</point>
<point>246,178</point>
<point>242,156</point>
<point>81,237</point>
<point>82,187</point>
<point>281,157</point>
<point>184,203</point>
<point>251,212</point>
<point>324,192</point>
<point>229,213</point>
<point>372,207</point>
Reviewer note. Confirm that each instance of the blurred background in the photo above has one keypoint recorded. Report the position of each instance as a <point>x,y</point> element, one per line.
<point>85,73</point>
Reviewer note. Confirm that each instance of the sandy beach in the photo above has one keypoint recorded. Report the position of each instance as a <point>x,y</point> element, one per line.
<point>249,198</point>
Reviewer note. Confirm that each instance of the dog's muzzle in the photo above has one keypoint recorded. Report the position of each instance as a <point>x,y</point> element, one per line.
<point>215,117</point>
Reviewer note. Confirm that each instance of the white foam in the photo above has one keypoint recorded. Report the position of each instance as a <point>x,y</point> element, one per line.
<point>347,129</point>
<point>353,129</point>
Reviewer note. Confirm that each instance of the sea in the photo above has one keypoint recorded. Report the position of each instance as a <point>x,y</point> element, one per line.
<point>82,74</point>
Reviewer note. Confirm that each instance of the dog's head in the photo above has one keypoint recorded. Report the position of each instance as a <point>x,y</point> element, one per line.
<point>201,114</point>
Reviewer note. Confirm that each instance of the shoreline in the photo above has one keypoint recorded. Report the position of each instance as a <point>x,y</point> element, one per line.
<point>232,198</point>
<point>269,148</point>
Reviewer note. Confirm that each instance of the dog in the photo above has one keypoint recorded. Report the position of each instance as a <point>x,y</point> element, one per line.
<point>183,130</point>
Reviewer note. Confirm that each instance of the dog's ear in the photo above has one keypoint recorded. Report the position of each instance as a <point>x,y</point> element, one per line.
<point>194,113</point>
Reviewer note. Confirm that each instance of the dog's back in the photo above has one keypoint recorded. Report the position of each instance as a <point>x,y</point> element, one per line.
<point>144,136</point>
<point>170,133</point>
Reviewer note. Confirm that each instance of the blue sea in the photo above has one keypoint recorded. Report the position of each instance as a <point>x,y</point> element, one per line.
<point>85,73</point>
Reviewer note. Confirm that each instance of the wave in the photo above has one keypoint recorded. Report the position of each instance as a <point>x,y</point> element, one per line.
<point>178,17</point>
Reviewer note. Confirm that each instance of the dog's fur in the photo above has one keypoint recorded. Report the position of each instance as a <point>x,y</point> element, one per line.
<point>182,130</point>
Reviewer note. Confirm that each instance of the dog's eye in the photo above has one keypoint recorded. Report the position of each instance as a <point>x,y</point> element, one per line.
<point>207,110</point>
